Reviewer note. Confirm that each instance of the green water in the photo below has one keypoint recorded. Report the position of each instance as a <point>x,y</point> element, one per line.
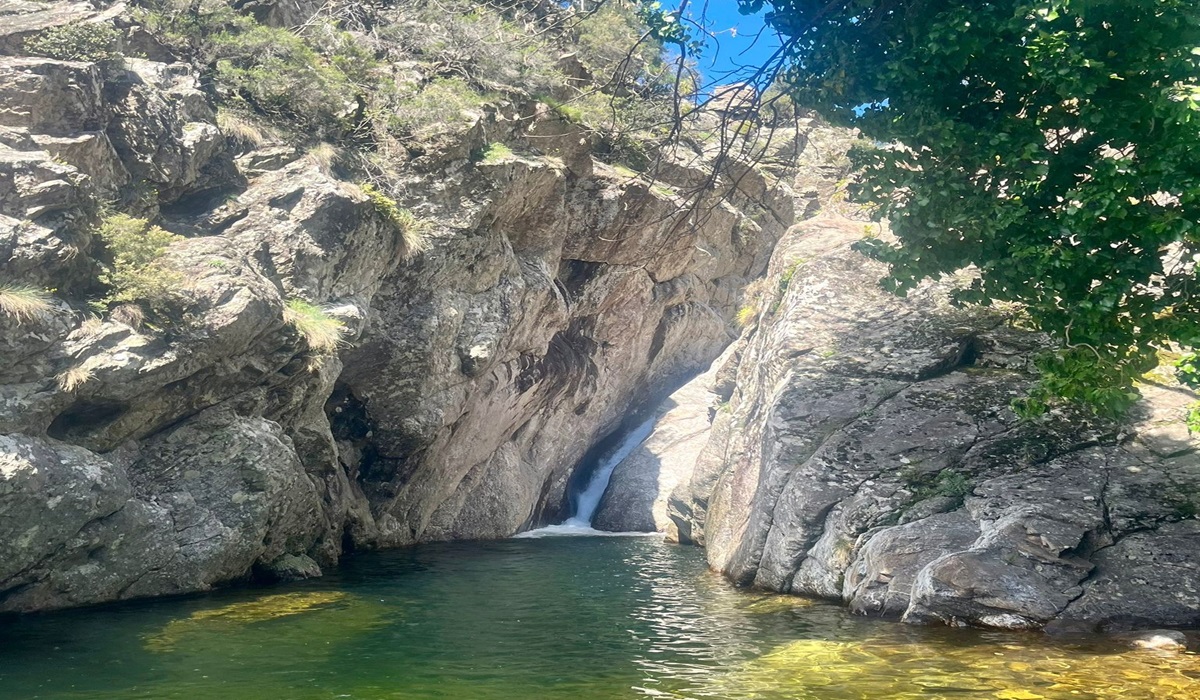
<point>541,619</point>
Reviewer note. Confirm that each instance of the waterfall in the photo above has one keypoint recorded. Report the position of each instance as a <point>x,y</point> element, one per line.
<point>589,499</point>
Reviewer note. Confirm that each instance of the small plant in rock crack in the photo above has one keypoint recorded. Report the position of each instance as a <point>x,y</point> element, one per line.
<point>495,153</point>
<point>412,229</point>
<point>946,483</point>
<point>322,332</point>
<point>785,281</point>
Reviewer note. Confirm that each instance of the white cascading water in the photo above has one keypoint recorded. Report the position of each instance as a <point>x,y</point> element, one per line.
<point>589,500</point>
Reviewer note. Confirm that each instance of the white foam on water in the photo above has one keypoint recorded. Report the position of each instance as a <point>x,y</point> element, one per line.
<point>565,530</point>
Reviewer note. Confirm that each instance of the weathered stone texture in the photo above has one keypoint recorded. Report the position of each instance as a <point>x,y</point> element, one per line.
<point>861,448</point>
<point>157,456</point>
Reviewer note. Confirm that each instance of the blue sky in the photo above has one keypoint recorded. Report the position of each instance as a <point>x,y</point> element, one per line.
<point>735,44</point>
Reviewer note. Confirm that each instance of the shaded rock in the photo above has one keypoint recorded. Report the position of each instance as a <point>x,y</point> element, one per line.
<point>45,96</point>
<point>291,567</point>
<point>197,508</point>
<point>636,498</point>
<point>164,129</point>
<point>34,186</point>
<point>92,154</point>
<point>1145,578</point>
<point>48,492</point>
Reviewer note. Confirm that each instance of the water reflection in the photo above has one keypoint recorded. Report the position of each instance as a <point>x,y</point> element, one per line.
<point>557,618</point>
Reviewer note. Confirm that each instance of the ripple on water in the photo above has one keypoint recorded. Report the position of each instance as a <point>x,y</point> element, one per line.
<point>576,618</point>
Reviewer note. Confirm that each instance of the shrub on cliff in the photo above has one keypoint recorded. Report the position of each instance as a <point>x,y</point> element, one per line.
<point>184,27</point>
<point>93,42</point>
<point>280,74</point>
<point>476,42</point>
<point>316,78</point>
<point>138,274</point>
<point>612,44</point>
<point>444,106</point>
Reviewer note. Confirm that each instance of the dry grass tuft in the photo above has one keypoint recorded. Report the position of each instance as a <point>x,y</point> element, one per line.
<point>73,378</point>
<point>415,233</point>
<point>323,155</point>
<point>245,135</point>
<point>90,327</point>
<point>322,332</point>
<point>24,303</point>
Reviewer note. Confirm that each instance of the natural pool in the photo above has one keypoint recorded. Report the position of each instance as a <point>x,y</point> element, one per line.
<point>542,619</point>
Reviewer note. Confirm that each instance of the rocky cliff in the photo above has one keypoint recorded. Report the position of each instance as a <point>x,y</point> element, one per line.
<point>329,346</point>
<point>857,446</point>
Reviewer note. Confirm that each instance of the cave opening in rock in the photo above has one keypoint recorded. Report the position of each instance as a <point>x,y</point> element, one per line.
<point>85,418</point>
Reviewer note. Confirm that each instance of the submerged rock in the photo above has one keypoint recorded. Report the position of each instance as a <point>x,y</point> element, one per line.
<point>1157,640</point>
<point>334,616</point>
<point>1007,670</point>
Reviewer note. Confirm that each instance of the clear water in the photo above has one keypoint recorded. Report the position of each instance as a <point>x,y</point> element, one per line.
<point>580,618</point>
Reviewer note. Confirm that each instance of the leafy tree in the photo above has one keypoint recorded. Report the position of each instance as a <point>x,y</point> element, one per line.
<point>1050,143</point>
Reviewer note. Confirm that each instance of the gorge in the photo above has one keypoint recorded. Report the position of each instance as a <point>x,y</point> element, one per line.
<point>320,324</point>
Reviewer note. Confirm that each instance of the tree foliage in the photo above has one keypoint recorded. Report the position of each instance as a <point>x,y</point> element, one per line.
<point>1050,143</point>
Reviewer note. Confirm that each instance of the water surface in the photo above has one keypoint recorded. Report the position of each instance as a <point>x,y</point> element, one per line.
<point>579,618</point>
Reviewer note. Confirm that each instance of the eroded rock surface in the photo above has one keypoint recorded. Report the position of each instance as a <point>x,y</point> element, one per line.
<point>491,366</point>
<point>861,448</point>
<point>212,441</point>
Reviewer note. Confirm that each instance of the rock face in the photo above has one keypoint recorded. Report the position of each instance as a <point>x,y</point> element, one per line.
<point>861,449</point>
<point>524,337</point>
<point>636,498</point>
<point>151,456</point>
